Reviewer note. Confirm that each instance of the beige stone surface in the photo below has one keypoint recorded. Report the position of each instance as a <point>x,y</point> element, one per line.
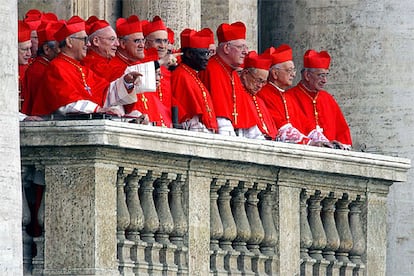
<point>200,145</point>
<point>11,255</point>
<point>372,59</point>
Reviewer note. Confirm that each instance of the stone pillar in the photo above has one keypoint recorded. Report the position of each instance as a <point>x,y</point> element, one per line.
<point>11,251</point>
<point>376,207</point>
<point>80,219</point>
<point>177,14</point>
<point>109,10</point>
<point>288,218</point>
<point>198,223</point>
<point>216,12</point>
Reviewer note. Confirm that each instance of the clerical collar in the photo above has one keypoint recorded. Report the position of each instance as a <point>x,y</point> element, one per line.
<point>277,87</point>
<point>126,59</point>
<point>307,88</point>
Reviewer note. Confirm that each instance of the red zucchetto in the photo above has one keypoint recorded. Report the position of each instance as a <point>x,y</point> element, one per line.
<point>73,25</point>
<point>193,39</point>
<point>253,60</point>
<point>313,59</point>
<point>24,31</point>
<point>33,18</point>
<point>226,32</point>
<point>127,26</point>
<point>95,26</point>
<point>155,25</point>
<point>280,54</point>
<point>46,31</point>
<point>171,35</point>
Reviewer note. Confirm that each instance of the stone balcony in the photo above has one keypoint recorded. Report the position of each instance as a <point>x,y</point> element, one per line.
<point>127,199</point>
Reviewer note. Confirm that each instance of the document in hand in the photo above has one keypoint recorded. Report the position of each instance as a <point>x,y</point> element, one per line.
<point>148,82</point>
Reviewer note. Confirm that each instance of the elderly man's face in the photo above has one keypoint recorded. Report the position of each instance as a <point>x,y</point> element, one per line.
<point>284,74</point>
<point>80,44</point>
<point>133,46</point>
<point>316,79</point>
<point>106,43</point>
<point>197,58</point>
<point>254,79</point>
<point>237,51</point>
<point>24,52</point>
<point>159,41</point>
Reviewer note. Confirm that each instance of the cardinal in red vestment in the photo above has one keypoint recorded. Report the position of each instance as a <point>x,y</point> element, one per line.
<point>193,100</point>
<point>328,122</point>
<point>231,103</point>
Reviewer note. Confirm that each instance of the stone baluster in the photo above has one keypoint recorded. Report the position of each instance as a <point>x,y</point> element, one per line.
<point>216,232</point>
<point>166,224</point>
<point>180,224</point>
<point>229,228</point>
<point>39,260</point>
<point>269,242</point>
<point>136,218</point>
<point>123,220</point>
<point>238,208</point>
<point>332,236</point>
<point>256,227</point>
<point>151,223</point>
<point>27,239</point>
<point>240,217</point>
<point>358,236</point>
<point>345,235</point>
<point>318,233</point>
<point>305,236</point>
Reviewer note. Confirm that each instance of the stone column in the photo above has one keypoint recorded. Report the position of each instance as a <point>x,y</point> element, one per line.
<point>177,14</point>
<point>198,222</point>
<point>374,212</point>
<point>80,219</point>
<point>10,180</point>
<point>288,245</point>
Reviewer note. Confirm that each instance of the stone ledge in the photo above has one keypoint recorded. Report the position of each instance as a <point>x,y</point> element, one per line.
<point>125,135</point>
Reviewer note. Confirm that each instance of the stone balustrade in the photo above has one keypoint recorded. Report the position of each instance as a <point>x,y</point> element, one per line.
<point>126,199</point>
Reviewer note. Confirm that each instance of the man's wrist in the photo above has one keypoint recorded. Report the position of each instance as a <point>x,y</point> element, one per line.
<point>128,85</point>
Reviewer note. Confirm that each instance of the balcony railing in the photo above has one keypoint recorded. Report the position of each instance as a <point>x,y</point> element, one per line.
<point>126,199</point>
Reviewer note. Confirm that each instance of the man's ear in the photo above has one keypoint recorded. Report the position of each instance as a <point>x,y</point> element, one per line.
<point>226,48</point>
<point>69,42</point>
<point>95,41</point>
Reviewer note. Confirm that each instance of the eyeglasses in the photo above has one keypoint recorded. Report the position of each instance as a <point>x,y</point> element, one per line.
<point>321,75</point>
<point>242,47</point>
<point>139,41</point>
<point>25,49</point>
<point>201,52</point>
<point>290,71</point>
<point>111,39</point>
<point>257,80</point>
<point>85,38</point>
<point>159,40</point>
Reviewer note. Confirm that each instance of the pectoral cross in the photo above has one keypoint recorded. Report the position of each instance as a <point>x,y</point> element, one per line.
<point>88,89</point>
<point>235,114</point>
<point>144,100</point>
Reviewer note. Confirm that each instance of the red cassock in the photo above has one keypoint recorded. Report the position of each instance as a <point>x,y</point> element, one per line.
<point>67,81</point>
<point>164,91</point>
<point>283,108</point>
<point>98,64</point>
<point>229,98</point>
<point>192,97</point>
<point>327,115</point>
<point>147,103</point>
<point>32,80</point>
<point>22,72</point>
<point>264,118</point>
